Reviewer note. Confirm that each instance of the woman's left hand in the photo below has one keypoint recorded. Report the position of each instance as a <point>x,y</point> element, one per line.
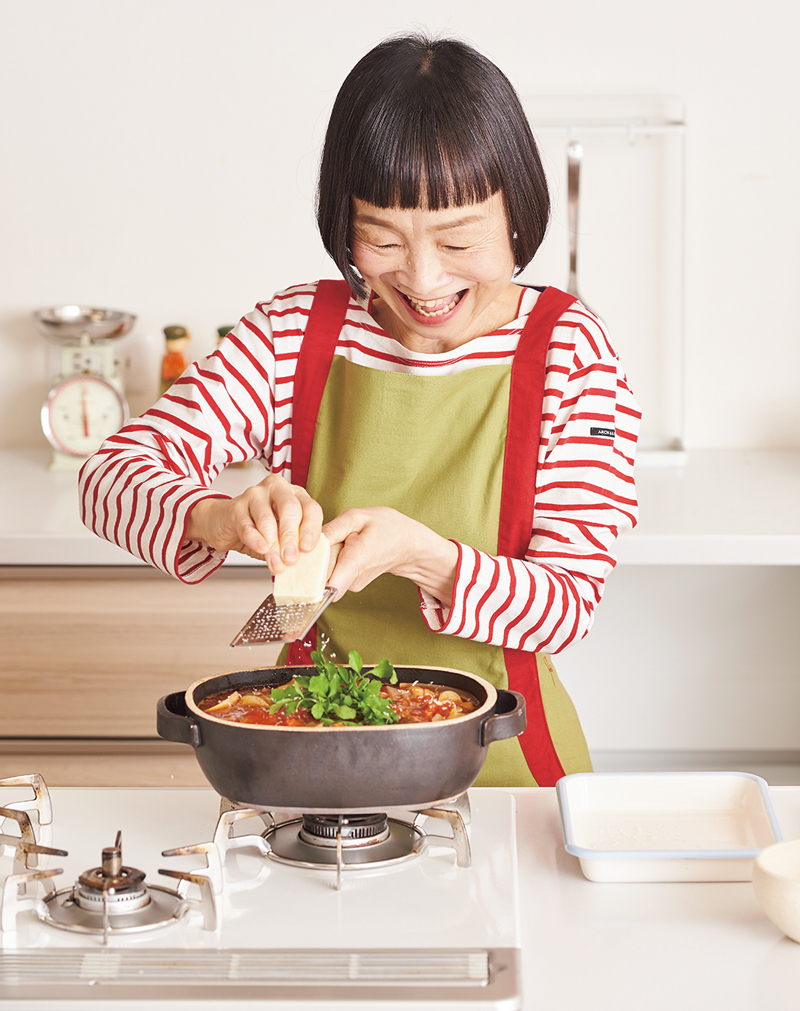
<point>379,539</point>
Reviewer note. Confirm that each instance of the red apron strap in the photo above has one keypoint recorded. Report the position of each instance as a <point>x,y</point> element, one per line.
<point>328,311</point>
<point>325,322</point>
<point>528,378</point>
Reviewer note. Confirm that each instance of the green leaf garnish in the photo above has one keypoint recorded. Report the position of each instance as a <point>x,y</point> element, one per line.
<point>340,694</point>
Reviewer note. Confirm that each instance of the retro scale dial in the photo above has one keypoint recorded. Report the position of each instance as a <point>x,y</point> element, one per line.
<point>87,403</point>
<point>80,412</point>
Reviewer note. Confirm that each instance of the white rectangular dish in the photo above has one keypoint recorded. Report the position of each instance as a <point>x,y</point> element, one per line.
<point>665,826</point>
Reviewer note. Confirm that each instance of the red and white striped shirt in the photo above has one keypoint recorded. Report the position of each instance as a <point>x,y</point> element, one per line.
<point>236,405</point>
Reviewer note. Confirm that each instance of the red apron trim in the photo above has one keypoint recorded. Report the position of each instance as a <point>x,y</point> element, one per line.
<point>536,741</point>
<point>325,323</point>
<point>525,423</point>
<point>520,465</point>
<point>324,326</point>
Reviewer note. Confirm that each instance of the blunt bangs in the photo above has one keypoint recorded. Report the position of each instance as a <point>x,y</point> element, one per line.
<point>418,160</point>
<point>428,123</point>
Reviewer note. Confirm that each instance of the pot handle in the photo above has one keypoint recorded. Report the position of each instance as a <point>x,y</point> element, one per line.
<point>509,718</point>
<point>173,723</point>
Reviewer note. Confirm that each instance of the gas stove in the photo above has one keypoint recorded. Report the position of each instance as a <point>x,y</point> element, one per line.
<point>253,908</point>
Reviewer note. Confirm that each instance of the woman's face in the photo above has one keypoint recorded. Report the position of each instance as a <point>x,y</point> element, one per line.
<point>440,278</point>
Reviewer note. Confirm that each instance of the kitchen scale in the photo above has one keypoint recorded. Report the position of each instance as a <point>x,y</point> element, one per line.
<point>87,402</point>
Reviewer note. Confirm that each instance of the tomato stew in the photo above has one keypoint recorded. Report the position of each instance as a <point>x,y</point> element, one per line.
<point>417,702</point>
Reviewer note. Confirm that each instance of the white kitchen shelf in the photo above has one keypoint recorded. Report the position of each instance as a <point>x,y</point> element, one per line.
<point>630,236</point>
<point>723,507</point>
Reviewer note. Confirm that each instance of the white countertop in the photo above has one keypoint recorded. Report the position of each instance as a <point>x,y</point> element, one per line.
<point>723,507</point>
<point>39,520</point>
<point>619,947</point>
<point>656,947</point>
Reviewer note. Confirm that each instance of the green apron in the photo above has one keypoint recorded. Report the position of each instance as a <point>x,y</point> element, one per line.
<point>458,453</point>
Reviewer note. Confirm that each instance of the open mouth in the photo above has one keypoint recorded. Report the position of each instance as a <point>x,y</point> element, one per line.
<point>432,309</point>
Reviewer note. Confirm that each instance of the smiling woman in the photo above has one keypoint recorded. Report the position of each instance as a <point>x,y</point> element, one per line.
<point>439,278</point>
<point>467,441</point>
<point>425,124</point>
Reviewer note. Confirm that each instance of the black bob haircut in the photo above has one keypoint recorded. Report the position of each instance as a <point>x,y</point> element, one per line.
<point>423,122</point>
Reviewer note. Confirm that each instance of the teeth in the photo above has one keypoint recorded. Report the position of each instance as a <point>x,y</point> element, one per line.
<point>425,308</point>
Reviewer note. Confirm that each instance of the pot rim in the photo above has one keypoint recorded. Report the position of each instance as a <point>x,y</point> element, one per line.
<point>488,705</point>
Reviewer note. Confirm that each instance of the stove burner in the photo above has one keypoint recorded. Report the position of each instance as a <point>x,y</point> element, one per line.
<point>354,830</point>
<point>111,887</point>
<point>98,899</point>
<point>347,842</point>
<point>162,907</point>
<point>107,900</point>
<point>112,891</point>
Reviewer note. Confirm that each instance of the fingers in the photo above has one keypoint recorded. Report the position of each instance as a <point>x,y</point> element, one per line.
<point>368,549</point>
<point>285,520</point>
<point>347,575</point>
<point>272,520</point>
<point>378,539</point>
<point>311,523</point>
<point>346,569</point>
<point>256,531</point>
<point>346,523</point>
<point>273,515</point>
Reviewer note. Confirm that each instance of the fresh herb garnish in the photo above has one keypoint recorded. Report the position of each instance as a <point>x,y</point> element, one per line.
<point>340,694</point>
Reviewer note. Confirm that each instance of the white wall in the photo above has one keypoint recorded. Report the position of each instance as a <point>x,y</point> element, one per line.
<point>694,658</point>
<point>158,156</point>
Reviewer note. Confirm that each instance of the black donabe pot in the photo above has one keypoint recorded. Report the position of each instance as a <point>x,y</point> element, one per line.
<point>352,769</point>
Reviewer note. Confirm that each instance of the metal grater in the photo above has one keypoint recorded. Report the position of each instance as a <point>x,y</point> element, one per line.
<point>272,622</point>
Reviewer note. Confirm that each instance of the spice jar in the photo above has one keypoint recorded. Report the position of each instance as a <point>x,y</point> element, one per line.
<point>174,362</point>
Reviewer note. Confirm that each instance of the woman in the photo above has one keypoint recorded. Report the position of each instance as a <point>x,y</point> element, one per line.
<point>468,440</point>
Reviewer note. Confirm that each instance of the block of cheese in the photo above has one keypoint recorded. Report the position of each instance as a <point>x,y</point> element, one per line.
<point>304,583</point>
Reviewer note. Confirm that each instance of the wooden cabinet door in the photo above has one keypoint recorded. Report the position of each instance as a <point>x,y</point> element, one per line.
<point>87,653</point>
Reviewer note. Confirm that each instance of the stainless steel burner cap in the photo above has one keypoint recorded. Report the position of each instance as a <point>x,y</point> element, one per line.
<point>289,846</point>
<point>95,900</point>
<point>111,887</point>
<point>354,829</point>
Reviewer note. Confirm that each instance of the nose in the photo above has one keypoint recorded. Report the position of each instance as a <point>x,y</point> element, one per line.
<point>423,271</point>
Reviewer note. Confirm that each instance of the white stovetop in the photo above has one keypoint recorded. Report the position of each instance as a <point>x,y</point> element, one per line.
<point>269,905</point>
<point>270,914</point>
<point>721,507</point>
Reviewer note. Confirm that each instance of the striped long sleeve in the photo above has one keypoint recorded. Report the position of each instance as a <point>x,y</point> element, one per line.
<point>585,496</point>
<point>236,405</point>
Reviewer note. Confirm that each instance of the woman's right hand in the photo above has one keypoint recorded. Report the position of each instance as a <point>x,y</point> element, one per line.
<point>272,520</point>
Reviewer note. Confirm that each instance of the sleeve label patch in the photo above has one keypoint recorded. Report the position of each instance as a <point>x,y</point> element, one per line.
<point>604,433</point>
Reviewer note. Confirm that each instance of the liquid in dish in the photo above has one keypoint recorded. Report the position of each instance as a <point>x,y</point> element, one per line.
<point>410,702</point>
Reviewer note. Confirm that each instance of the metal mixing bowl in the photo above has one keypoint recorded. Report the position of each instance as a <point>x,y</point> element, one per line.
<point>66,324</point>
